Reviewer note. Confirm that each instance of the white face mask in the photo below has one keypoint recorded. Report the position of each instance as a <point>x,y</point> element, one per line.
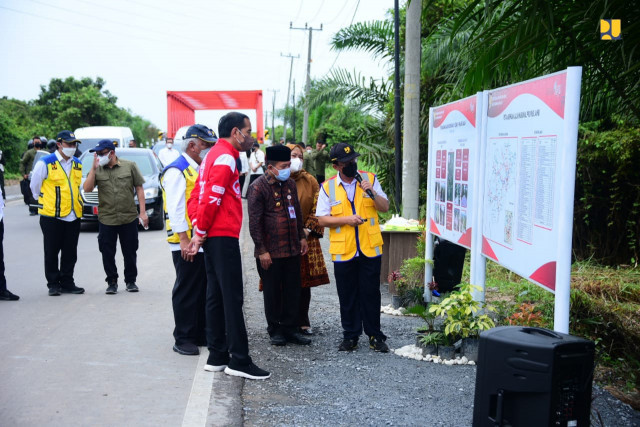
<point>203,153</point>
<point>296,164</point>
<point>68,151</point>
<point>103,160</point>
<point>169,144</point>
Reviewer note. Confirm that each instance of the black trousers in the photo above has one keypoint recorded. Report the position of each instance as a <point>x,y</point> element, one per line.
<point>358,284</point>
<point>3,280</point>
<point>241,179</point>
<point>303,307</point>
<point>226,331</point>
<point>281,292</point>
<point>107,238</point>
<point>188,299</point>
<point>60,237</point>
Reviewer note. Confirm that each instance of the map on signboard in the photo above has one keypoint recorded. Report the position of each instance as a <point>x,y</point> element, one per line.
<point>501,189</point>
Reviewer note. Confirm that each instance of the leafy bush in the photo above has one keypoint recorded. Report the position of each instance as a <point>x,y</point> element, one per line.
<point>607,197</point>
<point>459,312</point>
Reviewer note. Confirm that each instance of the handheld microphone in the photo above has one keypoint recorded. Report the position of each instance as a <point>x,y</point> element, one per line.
<point>369,192</point>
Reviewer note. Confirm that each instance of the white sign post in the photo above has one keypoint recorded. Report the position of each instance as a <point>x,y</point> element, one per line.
<point>529,163</point>
<point>502,164</point>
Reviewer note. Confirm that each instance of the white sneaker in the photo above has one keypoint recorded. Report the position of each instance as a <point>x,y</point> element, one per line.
<point>214,368</point>
<point>250,371</point>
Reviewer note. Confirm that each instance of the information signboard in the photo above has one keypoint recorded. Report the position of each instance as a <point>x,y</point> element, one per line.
<point>453,158</point>
<point>526,180</point>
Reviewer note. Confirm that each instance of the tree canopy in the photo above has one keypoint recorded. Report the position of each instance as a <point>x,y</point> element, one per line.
<point>64,104</point>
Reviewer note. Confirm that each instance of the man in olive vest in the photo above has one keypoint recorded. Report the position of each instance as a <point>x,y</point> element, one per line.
<point>189,290</point>
<point>349,204</point>
<point>55,183</point>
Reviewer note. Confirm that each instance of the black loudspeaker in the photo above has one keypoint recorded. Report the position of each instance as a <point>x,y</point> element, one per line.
<point>533,377</point>
<point>448,260</point>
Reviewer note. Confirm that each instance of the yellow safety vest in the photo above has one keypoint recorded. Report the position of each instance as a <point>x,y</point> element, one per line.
<point>60,193</point>
<point>345,241</point>
<point>190,175</point>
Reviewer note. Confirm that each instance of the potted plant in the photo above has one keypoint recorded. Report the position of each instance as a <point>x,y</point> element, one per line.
<point>461,318</point>
<point>423,312</point>
<point>430,342</point>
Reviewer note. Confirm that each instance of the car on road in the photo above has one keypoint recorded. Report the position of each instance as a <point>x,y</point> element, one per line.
<point>90,136</point>
<point>150,168</point>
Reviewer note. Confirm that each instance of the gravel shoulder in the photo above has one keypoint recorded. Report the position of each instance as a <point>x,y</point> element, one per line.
<point>317,385</point>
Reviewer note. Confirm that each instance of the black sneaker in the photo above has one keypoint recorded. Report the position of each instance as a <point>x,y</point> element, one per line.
<point>186,349</point>
<point>378,344</point>
<point>348,345</point>
<point>54,292</point>
<point>112,288</point>
<point>216,364</point>
<point>278,339</point>
<point>249,371</point>
<point>131,287</point>
<point>297,339</point>
<point>8,296</point>
<point>72,290</point>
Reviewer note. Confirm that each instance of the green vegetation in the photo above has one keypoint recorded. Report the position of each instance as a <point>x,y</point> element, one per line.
<point>63,104</point>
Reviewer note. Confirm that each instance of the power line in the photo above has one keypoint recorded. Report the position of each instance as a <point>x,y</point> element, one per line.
<point>138,37</point>
<point>339,52</point>
<point>100,18</point>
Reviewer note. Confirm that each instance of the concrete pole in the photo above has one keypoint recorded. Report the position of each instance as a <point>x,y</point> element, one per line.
<point>286,107</point>
<point>411,125</point>
<point>397,141</point>
<point>305,123</point>
<point>307,87</point>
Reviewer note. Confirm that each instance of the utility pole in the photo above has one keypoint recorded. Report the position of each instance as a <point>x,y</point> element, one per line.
<point>396,106</point>
<point>273,114</point>
<point>286,107</point>
<point>305,125</point>
<point>411,127</point>
<point>293,99</point>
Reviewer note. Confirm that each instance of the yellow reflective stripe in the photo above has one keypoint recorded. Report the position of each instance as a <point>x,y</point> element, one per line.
<point>338,257</point>
<point>377,248</point>
<point>372,221</point>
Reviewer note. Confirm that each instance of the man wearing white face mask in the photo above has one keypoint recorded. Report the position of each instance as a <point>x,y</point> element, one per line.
<point>117,180</point>
<point>275,225</point>
<point>168,154</point>
<point>55,183</point>
<point>189,290</point>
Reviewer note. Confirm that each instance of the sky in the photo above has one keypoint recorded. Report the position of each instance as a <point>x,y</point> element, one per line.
<point>144,48</point>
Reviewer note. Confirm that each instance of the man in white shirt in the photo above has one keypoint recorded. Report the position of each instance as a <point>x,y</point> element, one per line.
<point>5,295</point>
<point>55,184</point>
<point>189,291</point>
<point>168,154</point>
<point>256,163</point>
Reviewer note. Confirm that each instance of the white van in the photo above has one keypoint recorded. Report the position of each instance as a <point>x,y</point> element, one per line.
<point>90,136</point>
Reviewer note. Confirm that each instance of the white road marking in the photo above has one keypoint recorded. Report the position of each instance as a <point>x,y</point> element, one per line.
<point>198,406</point>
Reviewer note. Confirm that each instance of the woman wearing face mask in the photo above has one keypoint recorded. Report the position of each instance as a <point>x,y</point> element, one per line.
<point>313,270</point>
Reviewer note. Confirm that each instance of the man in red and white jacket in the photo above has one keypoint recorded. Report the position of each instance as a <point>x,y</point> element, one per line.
<point>215,207</point>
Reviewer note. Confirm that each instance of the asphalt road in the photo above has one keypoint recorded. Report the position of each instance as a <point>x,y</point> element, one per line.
<point>90,359</point>
<point>96,359</point>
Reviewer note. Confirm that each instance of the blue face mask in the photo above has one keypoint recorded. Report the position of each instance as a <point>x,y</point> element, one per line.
<point>283,174</point>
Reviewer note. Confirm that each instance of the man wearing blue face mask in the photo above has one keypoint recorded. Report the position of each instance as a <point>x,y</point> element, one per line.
<point>275,225</point>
